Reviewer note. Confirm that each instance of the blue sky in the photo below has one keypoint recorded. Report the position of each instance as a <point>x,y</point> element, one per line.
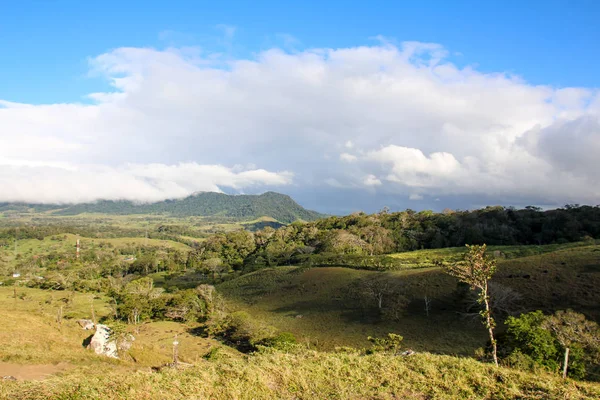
<point>344,106</point>
<point>45,45</point>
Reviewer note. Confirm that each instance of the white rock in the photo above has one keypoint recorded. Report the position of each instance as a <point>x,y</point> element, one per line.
<point>102,344</point>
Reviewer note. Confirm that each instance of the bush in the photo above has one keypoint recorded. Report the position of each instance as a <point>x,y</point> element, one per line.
<point>526,336</point>
<point>391,344</point>
<point>532,341</point>
<point>240,331</point>
<point>282,341</point>
<point>213,354</point>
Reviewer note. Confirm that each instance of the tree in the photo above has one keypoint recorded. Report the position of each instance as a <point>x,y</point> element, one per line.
<point>571,329</point>
<point>527,337</point>
<point>476,271</point>
<point>215,265</point>
<point>382,293</point>
<point>140,300</point>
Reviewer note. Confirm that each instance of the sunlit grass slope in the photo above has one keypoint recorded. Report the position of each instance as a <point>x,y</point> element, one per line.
<point>309,375</point>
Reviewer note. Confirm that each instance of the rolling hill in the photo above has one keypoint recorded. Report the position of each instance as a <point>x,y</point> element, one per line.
<point>270,204</point>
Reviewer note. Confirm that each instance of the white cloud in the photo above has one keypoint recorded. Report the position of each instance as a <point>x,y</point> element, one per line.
<point>414,122</point>
<point>348,157</point>
<point>371,180</point>
<point>55,183</point>
<point>412,168</point>
<point>415,196</point>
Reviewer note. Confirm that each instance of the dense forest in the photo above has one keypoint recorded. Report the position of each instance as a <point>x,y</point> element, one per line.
<point>366,239</point>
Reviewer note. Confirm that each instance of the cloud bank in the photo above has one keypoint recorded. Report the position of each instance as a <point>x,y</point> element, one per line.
<point>400,121</point>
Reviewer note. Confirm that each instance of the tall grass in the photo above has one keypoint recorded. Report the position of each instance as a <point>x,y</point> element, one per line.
<point>309,375</point>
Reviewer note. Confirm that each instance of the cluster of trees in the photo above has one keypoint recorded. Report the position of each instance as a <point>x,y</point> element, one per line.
<point>97,264</point>
<point>358,240</point>
<point>139,300</point>
<point>364,240</point>
<point>532,339</point>
<point>564,341</point>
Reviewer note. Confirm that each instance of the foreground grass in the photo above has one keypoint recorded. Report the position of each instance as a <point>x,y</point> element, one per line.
<point>309,375</point>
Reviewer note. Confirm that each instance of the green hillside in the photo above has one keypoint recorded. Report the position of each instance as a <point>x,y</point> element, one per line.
<point>328,307</point>
<point>275,205</point>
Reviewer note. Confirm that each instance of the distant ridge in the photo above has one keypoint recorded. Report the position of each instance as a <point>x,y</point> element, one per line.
<point>270,204</point>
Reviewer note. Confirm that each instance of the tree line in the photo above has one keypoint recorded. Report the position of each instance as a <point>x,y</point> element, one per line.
<point>366,239</point>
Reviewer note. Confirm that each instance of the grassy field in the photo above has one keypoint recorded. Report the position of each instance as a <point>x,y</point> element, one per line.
<point>307,375</point>
<point>426,258</point>
<point>34,335</point>
<point>314,305</point>
<point>34,339</point>
<point>67,243</point>
<point>319,306</point>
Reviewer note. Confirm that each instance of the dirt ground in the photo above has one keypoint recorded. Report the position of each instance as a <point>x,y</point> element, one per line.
<point>30,372</point>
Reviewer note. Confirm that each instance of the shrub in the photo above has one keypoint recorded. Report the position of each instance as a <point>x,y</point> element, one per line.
<point>240,330</point>
<point>282,341</point>
<point>391,344</point>
<point>542,340</point>
<point>526,335</point>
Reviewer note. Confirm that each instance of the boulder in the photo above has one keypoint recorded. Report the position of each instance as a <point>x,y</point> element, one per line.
<point>101,342</point>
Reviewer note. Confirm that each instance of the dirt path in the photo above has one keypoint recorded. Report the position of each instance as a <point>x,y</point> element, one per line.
<point>31,372</point>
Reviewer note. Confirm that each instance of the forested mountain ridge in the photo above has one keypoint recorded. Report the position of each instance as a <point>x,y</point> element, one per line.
<point>270,204</point>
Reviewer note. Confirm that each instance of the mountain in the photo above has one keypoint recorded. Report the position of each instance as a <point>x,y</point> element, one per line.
<point>270,204</point>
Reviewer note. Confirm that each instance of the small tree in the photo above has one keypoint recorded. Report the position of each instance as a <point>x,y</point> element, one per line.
<point>476,271</point>
<point>427,305</point>
<point>215,265</point>
<point>382,293</point>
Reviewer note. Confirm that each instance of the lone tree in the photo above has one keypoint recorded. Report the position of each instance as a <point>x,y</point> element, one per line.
<point>476,271</point>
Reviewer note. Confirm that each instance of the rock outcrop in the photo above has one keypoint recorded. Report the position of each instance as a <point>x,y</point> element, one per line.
<point>102,344</point>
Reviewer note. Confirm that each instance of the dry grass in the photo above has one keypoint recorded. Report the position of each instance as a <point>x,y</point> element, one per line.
<point>309,375</point>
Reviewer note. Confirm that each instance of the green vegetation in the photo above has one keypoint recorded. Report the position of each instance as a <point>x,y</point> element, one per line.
<point>344,306</point>
<point>537,340</point>
<point>277,206</point>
